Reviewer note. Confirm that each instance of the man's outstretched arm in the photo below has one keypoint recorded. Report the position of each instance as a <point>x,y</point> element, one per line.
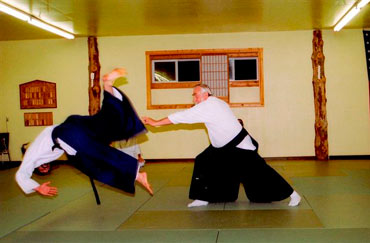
<point>156,123</point>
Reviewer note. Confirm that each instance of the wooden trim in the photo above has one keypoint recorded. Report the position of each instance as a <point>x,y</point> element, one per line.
<point>249,104</point>
<point>231,51</point>
<point>351,157</point>
<point>226,99</point>
<point>172,106</point>
<point>243,54</point>
<point>271,159</point>
<point>185,106</point>
<point>244,83</point>
<point>175,56</point>
<point>177,85</point>
<point>261,77</point>
<point>197,54</point>
<point>190,160</point>
<point>148,81</point>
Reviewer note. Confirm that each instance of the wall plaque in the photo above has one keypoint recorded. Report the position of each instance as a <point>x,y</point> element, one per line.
<point>38,119</point>
<point>38,94</point>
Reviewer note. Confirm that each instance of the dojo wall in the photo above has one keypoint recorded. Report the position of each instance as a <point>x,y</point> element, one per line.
<point>284,126</point>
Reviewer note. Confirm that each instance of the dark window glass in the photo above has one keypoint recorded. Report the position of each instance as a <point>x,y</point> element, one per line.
<point>231,69</point>
<point>164,71</point>
<point>188,71</point>
<point>246,69</point>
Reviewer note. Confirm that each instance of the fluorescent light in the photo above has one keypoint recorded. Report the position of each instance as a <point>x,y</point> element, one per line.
<point>13,12</point>
<point>349,15</point>
<point>50,28</point>
<point>346,19</point>
<point>34,21</point>
<point>362,3</point>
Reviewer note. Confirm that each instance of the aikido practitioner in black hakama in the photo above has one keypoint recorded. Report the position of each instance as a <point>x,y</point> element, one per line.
<point>88,138</point>
<point>231,158</point>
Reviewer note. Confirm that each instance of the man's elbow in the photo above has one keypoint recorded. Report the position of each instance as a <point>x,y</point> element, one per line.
<point>19,178</point>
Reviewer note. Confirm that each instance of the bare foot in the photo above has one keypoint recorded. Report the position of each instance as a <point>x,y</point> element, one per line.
<point>114,74</point>
<point>142,178</point>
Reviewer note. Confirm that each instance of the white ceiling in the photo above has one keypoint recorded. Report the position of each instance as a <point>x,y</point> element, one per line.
<point>159,17</point>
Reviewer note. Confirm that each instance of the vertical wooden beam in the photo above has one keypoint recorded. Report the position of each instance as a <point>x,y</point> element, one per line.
<point>94,76</point>
<point>94,89</point>
<point>319,80</point>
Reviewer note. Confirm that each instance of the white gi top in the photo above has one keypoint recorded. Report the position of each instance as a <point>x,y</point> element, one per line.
<point>221,123</point>
<point>40,152</point>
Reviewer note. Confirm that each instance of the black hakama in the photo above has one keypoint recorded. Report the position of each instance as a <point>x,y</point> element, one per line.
<point>218,173</point>
<point>91,136</point>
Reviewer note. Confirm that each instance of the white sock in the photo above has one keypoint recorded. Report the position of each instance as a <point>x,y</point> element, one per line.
<point>197,203</point>
<point>295,199</point>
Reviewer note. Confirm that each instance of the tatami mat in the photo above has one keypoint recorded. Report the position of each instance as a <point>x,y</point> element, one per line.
<point>222,219</point>
<point>334,208</point>
<point>295,235</point>
<point>131,236</point>
<point>342,210</point>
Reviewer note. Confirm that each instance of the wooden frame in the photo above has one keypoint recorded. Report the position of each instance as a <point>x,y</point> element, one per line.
<point>38,119</point>
<point>38,94</point>
<point>191,54</point>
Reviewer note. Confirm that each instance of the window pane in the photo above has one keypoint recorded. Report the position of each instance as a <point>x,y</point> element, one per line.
<point>164,71</point>
<point>188,71</point>
<point>231,69</point>
<point>245,69</point>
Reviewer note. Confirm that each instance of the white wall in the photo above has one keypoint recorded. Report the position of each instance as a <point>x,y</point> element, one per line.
<point>284,126</point>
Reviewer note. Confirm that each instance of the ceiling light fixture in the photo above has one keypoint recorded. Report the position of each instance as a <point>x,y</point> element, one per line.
<point>350,14</point>
<point>34,21</point>
<point>50,28</point>
<point>13,12</point>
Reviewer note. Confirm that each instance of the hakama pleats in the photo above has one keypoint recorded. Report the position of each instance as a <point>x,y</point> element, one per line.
<point>91,136</point>
<point>218,173</point>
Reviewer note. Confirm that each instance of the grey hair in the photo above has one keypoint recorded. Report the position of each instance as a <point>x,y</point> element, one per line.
<point>204,88</point>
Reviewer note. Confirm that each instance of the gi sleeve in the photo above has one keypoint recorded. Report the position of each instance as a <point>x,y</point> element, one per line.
<point>196,114</point>
<point>38,153</point>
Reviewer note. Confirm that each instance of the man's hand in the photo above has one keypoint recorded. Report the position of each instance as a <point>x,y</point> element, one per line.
<point>46,190</point>
<point>155,123</point>
<point>148,121</point>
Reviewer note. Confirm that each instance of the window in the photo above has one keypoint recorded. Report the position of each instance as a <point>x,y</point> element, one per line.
<point>243,69</point>
<point>234,75</point>
<point>175,70</point>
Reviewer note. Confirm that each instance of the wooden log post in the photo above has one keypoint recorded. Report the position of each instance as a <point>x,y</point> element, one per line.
<point>94,76</point>
<point>319,80</point>
<point>94,89</point>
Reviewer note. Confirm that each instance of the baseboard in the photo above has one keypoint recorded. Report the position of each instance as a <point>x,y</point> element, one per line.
<point>351,157</point>
<point>169,160</point>
<point>291,158</point>
<point>11,164</point>
<point>333,157</point>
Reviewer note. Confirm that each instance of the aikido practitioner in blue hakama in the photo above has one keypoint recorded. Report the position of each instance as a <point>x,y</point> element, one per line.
<point>88,139</point>
<point>231,158</point>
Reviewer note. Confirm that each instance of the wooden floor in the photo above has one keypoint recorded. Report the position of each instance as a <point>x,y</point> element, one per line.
<point>334,208</point>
